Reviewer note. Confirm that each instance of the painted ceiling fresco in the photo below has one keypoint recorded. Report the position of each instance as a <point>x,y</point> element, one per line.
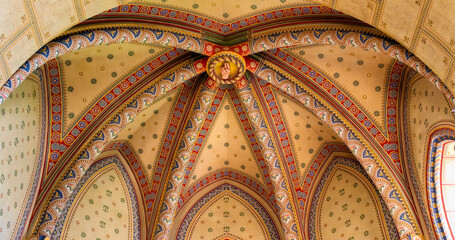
<point>20,154</point>
<point>221,120</point>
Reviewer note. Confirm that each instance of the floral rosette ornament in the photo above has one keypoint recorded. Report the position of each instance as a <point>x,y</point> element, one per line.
<point>226,67</point>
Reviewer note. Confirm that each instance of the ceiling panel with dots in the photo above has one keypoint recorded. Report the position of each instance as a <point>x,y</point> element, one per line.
<point>20,125</point>
<point>102,209</point>
<point>361,74</point>
<point>426,106</point>
<point>146,133</point>
<point>226,147</point>
<point>225,11</point>
<point>349,207</point>
<point>307,133</point>
<point>227,215</point>
<point>89,73</point>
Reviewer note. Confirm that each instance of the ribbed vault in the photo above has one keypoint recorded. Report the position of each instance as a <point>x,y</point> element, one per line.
<point>129,87</point>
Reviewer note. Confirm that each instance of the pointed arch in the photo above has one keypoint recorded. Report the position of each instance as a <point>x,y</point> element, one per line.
<point>191,208</point>
<point>362,146</point>
<point>96,170</point>
<point>439,138</point>
<point>353,171</point>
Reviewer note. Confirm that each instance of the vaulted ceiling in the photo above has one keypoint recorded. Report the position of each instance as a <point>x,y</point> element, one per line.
<point>114,128</point>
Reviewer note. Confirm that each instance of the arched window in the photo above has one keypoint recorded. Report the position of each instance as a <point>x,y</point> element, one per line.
<point>441,183</point>
<point>447,183</point>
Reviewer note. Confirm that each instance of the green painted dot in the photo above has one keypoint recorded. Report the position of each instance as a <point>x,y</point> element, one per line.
<point>151,50</point>
<point>376,113</point>
<point>130,136</point>
<point>226,107</point>
<point>297,137</point>
<point>149,166</point>
<point>71,115</point>
<point>68,62</point>
<point>226,144</point>
<point>243,147</point>
<point>130,53</point>
<point>210,229</point>
<point>377,88</point>
<point>360,62</point>
<point>302,165</point>
<point>257,175</point>
<point>225,15</point>
<point>156,111</point>
<point>296,113</point>
<point>209,169</point>
<point>140,151</point>
<point>169,99</point>
<point>226,125</point>
<point>142,124</point>
<point>209,146</point>
<point>194,177</point>
<point>254,7</point>
<point>336,75</point>
<point>284,100</point>
<point>320,139</point>
<point>242,166</point>
<point>283,1</point>
<point>155,136</point>
<point>310,150</point>
<point>339,59</point>
<point>320,55</point>
<point>93,81</point>
<point>226,162</point>
<point>89,59</point>
<point>342,46</point>
<point>355,83</point>
<point>110,56</point>
<point>195,6</point>
<point>301,52</point>
<point>114,74</point>
<point>70,89</point>
<point>380,65</point>
<point>362,216</point>
<point>308,126</point>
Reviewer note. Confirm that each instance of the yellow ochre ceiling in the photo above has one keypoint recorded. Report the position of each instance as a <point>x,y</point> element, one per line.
<point>422,26</point>
<point>242,144</point>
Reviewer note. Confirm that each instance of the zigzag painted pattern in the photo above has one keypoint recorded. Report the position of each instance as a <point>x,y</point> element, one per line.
<point>286,205</point>
<point>101,139</point>
<point>183,155</point>
<point>353,39</point>
<point>375,169</point>
<point>96,38</point>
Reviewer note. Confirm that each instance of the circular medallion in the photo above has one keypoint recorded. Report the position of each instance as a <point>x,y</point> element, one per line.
<point>226,67</point>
